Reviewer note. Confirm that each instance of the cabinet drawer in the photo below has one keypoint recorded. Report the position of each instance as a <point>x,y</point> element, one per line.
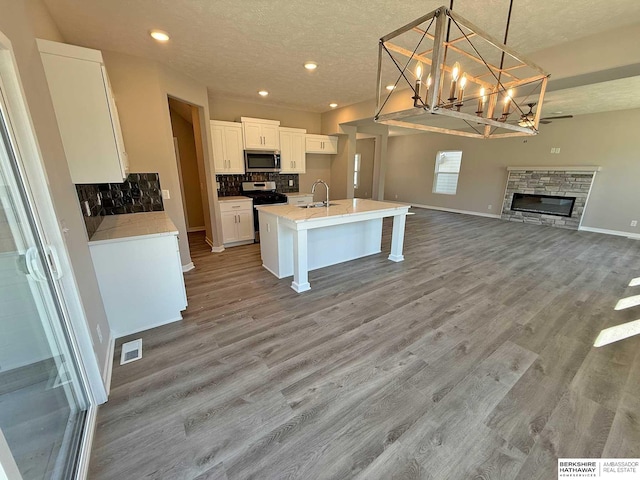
<point>300,200</point>
<point>235,206</point>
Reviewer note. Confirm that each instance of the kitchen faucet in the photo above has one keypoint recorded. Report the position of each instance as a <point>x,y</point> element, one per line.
<point>313,189</point>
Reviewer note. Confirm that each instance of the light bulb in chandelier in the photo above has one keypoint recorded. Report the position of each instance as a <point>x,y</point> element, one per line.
<point>455,73</point>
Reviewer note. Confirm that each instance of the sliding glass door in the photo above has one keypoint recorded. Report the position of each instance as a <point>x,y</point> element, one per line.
<point>43,402</point>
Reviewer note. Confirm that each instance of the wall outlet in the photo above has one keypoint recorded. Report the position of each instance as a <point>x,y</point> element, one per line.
<point>165,195</point>
<point>396,197</point>
<point>555,150</point>
<point>99,331</point>
<point>489,207</point>
<point>634,223</point>
<point>291,183</point>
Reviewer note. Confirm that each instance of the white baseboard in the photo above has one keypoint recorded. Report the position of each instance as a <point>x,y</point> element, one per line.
<point>213,249</point>
<point>454,210</point>
<point>108,368</point>
<point>618,233</point>
<point>188,267</point>
<point>147,327</point>
<point>196,229</point>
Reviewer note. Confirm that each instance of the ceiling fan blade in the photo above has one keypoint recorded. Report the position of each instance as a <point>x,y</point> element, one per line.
<point>557,118</point>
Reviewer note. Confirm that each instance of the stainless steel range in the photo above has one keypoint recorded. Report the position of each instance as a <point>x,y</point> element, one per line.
<point>262,193</point>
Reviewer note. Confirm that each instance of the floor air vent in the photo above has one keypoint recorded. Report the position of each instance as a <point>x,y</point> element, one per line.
<point>131,351</point>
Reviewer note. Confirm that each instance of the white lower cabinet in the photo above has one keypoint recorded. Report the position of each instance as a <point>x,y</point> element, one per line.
<point>141,282</point>
<point>237,222</point>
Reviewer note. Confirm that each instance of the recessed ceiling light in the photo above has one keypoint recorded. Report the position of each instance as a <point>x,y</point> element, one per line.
<point>390,87</point>
<point>311,65</point>
<point>333,105</point>
<point>159,35</point>
<point>263,93</point>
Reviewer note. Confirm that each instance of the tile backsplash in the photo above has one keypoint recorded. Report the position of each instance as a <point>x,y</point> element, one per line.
<point>140,192</point>
<point>230,185</point>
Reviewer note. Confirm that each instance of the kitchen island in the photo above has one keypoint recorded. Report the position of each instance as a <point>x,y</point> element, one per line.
<point>295,240</point>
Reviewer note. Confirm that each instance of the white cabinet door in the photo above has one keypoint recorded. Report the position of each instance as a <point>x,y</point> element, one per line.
<point>219,157</point>
<point>253,136</point>
<point>234,149</point>
<point>245,225</point>
<point>90,135</point>
<point>270,137</point>
<point>228,148</point>
<point>229,227</point>
<point>325,144</point>
<point>292,150</point>
<point>260,134</point>
<point>299,153</point>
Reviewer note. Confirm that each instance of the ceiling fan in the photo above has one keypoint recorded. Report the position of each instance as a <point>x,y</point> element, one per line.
<point>526,120</point>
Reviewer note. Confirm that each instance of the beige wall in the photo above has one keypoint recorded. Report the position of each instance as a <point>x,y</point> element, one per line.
<point>20,28</point>
<point>183,132</point>
<point>366,147</point>
<point>608,139</point>
<point>318,167</point>
<point>231,110</point>
<point>141,88</point>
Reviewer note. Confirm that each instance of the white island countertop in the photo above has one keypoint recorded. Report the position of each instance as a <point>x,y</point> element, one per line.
<point>295,240</point>
<point>116,228</point>
<point>338,208</point>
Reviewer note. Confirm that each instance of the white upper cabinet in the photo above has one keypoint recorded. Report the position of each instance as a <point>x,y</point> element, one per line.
<point>260,134</point>
<point>86,113</point>
<point>292,150</point>
<point>326,144</point>
<point>228,149</point>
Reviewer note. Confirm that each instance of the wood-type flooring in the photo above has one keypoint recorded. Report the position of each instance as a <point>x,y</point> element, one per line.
<point>472,359</point>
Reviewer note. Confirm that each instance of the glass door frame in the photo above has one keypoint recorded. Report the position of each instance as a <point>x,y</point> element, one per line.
<point>34,179</point>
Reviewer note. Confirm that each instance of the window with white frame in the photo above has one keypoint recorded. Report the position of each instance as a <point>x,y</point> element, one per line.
<point>447,170</point>
<point>356,171</point>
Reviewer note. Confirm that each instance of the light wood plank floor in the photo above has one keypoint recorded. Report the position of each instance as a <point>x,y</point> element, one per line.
<point>473,358</point>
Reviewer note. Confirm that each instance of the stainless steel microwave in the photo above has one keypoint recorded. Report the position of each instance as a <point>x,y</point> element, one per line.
<point>261,161</point>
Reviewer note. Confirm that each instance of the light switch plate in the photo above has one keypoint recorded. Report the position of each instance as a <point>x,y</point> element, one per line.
<point>165,195</point>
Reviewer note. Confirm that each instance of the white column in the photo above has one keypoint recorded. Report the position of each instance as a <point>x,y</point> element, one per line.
<point>300,262</point>
<point>397,238</point>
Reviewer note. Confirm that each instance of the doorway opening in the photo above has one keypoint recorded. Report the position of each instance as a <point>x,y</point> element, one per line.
<point>363,168</point>
<point>187,139</point>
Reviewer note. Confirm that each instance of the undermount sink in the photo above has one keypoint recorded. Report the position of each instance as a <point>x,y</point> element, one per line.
<point>317,205</point>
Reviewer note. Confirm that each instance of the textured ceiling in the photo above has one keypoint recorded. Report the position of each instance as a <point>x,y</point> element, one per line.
<point>239,47</point>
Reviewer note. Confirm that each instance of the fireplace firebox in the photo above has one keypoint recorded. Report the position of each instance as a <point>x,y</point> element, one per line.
<point>545,204</point>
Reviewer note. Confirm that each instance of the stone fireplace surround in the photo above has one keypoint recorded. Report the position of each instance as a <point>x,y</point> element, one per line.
<point>573,181</point>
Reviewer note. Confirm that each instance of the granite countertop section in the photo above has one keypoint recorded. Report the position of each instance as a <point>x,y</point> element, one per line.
<point>116,228</point>
<point>234,198</point>
<point>342,208</point>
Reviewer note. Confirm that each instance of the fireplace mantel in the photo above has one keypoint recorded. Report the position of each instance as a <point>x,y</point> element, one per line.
<point>554,168</point>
